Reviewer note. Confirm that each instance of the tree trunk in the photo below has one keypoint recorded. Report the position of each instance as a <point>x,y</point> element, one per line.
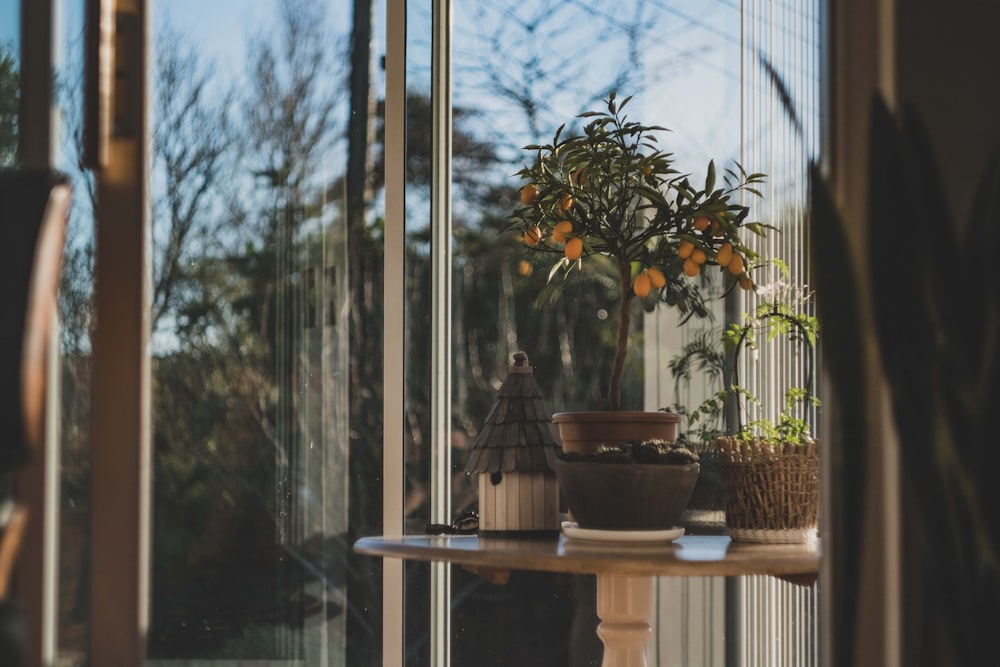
<point>624,324</point>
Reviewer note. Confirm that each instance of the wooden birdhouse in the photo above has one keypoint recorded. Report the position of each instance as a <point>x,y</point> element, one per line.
<point>513,456</point>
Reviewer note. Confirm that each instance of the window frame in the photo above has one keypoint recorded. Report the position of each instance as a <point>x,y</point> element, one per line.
<point>393,341</point>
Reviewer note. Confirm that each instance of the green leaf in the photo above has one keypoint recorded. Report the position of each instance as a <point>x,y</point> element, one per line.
<point>555,267</point>
<point>710,177</point>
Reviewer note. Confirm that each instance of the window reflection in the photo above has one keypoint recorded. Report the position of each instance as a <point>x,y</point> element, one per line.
<point>265,314</point>
<point>266,197</point>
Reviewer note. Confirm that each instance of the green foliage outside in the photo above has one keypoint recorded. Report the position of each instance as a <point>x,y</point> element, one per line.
<point>10,95</point>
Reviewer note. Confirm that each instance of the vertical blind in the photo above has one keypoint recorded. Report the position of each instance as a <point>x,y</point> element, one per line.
<point>775,622</point>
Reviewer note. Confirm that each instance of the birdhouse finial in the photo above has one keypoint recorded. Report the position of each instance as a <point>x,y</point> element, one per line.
<point>520,364</point>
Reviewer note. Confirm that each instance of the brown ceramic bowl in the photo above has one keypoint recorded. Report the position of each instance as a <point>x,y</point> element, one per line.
<point>626,496</point>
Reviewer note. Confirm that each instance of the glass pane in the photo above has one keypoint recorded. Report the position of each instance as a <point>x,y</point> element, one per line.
<point>10,57</point>
<point>520,71</point>
<point>266,308</point>
<point>417,356</point>
<point>75,300</point>
<point>10,95</point>
<point>266,313</point>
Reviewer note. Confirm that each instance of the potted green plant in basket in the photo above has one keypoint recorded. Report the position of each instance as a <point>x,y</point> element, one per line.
<point>610,193</point>
<point>770,467</point>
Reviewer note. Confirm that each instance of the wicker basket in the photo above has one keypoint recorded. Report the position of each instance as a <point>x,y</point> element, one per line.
<point>772,491</point>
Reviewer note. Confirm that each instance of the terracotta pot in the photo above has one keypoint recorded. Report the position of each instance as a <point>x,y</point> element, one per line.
<point>585,431</point>
<point>626,496</point>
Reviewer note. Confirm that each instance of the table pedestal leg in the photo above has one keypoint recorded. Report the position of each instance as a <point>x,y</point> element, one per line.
<point>624,605</point>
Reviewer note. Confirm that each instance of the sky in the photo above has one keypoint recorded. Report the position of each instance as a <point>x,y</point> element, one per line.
<point>697,98</point>
<point>697,92</point>
<point>10,21</point>
<point>687,70</point>
<point>685,75</point>
<point>219,27</point>
<point>222,27</point>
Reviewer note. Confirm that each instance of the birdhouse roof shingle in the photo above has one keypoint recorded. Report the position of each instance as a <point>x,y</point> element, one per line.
<point>518,435</point>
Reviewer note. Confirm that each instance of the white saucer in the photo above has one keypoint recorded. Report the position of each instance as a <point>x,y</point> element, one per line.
<point>573,531</point>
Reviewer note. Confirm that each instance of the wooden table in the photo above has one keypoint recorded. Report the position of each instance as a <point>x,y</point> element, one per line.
<point>624,571</point>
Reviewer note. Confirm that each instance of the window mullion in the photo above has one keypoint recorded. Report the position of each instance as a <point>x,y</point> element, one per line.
<point>38,482</point>
<point>121,375</point>
<point>393,342</point>
<point>441,319</point>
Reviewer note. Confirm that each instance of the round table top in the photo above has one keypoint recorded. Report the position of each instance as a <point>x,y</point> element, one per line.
<point>688,556</point>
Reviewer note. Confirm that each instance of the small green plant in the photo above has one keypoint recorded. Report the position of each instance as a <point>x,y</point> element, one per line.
<point>788,428</point>
<point>779,316</point>
<point>612,192</point>
<point>702,354</point>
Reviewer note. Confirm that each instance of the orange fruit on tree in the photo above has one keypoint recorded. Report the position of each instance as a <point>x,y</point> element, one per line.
<point>656,277</point>
<point>641,285</point>
<point>578,177</point>
<point>562,228</point>
<point>532,236</point>
<point>702,222</point>
<point>699,256</point>
<point>735,265</point>
<point>691,267</point>
<point>744,281</point>
<point>574,248</point>
<point>565,202</point>
<point>529,193</point>
<point>725,254</point>
<point>685,249</point>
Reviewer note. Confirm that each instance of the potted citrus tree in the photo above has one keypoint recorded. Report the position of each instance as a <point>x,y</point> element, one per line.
<point>610,192</point>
